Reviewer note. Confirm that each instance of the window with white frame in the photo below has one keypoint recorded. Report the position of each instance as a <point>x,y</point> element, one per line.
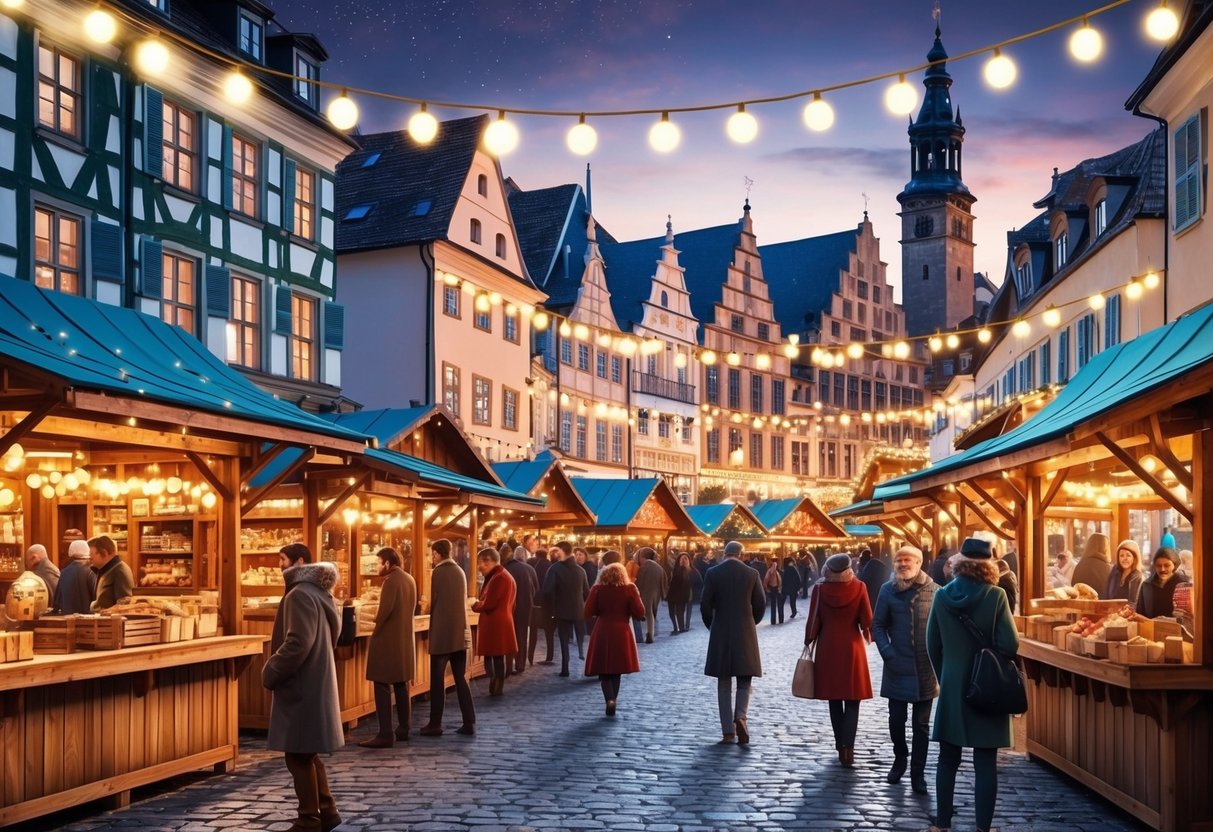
<point>1101,217</point>
<point>616,369</point>
<point>566,430</point>
<point>1061,247</point>
<point>451,388</point>
<point>616,443</point>
<point>509,326</point>
<point>600,440</point>
<point>509,408</point>
<point>450,301</point>
<point>307,73</point>
<point>252,35</point>
<point>581,437</point>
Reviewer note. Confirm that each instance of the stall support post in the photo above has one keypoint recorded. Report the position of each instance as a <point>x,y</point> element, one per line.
<point>420,555</point>
<point>473,549</point>
<point>1121,530</point>
<point>1202,544</point>
<point>1032,554</point>
<point>311,515</point>
<point>228,546</point>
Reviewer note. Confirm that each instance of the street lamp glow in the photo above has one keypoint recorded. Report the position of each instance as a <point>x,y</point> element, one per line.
<point>423,127</point>
<point>238,88</point>
<point>100,26</point>
<point>1000,71</point>
<point>1086,44</point>
<point>151,57</point>
<point>901,98</point>
<point>664,136</point>
<point>1162,23</point>
<point>582,138</point>
<point>742,127</point>
<point>818,114</point>
<point>342,112</point>
<point>501,137</point>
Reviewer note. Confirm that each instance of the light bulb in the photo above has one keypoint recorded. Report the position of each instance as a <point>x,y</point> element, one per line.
<point>12,4</point>
<point>482,303</point>
<point>901,98</point>
<point>1162,23</point>
<point>423,127</point>
<point>501,137</point>
<point>1021,329</point>
<point>1000,71</point>
<point>70,482</point>
<point>742,127</point>
<point>343,112</point>
<point>174,485</point>
<point>901,350</point>
<point>935,343</point>
<point>48,491</point>
<point>953,341</point>
<point>791,350</point>
<point>762,361</point>
<point>855,351</point>
<point>733,359</point>
<point>151,57</point>
<point>540,321</point>
<point>582,138</point>
<point>100,26</point>
<point>7,497</point>
<point>707,358</point>
<point>209,499</point>
<point>15,450</point>
<point>34,481</point>
<point>238,88</point>
<point>984,335</point>
<point>1133,290</point>
<point>581,332</point>
<point>1086,44</point>
<point>664,136</point>
<point>1151,280</point>
<point>1052,317</point>
<point>55,477</point>
<point>818,114</point>
<point>1096,302</point>
<point>680,360</point>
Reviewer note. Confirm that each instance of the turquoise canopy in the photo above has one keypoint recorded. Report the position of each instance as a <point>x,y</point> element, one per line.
<point>709,518</point>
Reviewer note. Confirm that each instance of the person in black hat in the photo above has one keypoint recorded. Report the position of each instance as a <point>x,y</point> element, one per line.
<point>1158,593</point>
<point>732,605</point>
<point>972,592</point>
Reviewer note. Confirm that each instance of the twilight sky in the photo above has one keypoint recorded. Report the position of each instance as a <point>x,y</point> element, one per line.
<point>625,54</point>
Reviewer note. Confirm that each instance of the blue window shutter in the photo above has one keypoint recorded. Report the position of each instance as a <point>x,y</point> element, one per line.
<point>106,249</point>
<point>282,310</point>
<point>153,132</point>
<point>288,196</point>
<point>151,268</point>
<point>334,325</point>
<point>1112,322</point>
<point>227,167</point>
<point>1063,356</point>
<point>219,291</point>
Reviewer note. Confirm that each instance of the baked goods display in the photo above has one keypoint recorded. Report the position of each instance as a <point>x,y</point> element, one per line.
<point>1118,634</point>
<point>262,576</point>
<point>166,573</point>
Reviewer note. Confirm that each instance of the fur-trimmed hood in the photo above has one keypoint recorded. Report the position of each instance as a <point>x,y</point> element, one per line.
<point>323,574</point>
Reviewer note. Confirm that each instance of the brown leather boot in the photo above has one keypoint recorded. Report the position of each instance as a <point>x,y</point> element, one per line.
<point>303,772</point>
<point>329,818</point>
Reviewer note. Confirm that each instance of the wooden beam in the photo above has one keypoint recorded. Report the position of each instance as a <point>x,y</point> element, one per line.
<point>994,465</point>
<point>24,400</point>
<point>26,426</point>
<point>263,460</point>
<point>1054,487</point>
<point>1032,554</point>
<point>350,490</point>
<point>252,500</point>
<point>981,515</point>
<point>1007,514</point>
<point>1162,449</point>
<point>95,432</point>
<point>204,470</point>
<point>1202,545</point>
<point>452,522</point>
<point>228,544</point>
<point>1009,482</point>
<point>946,510</point>
<point>1145,476</point>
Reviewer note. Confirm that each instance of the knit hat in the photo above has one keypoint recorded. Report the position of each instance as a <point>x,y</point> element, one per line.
<point>976,548</point>
<point>913,551</point>
<point>1132,546</point>
<point>78,550</point>
<point>840,562</point>
<point>733,549</point>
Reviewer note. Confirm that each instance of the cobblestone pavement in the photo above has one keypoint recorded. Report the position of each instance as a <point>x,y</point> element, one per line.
<point>544,757</point>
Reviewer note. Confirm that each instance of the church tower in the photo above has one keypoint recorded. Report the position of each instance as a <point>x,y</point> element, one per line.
<point>936,211</point>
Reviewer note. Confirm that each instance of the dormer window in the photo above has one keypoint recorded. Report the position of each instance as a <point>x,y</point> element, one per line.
<point>158,5</point>
<point>308,73</point>
<point>1023,272</point>
<point>1101,217</point>
<point>252,35</point>
<point>1061,246</point>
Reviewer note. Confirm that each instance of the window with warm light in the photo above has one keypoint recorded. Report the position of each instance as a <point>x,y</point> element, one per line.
<point>305,204</point>
<point>303,338</point>
<point>482,400</point>
<point>450,388</point>
<point>307,74</point>
<point>57,244</point>
<point>252,35</point>
<point>60,90</point>
<point>179,295</point>
<point>244,327</point>
<point>180,147</point>
<point>244,176</point>
<point>509,408</point>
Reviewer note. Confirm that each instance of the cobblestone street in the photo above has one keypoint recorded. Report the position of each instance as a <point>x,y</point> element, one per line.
<point>545,757</point>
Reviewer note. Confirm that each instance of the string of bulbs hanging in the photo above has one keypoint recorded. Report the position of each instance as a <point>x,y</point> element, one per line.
<point>152,58</point>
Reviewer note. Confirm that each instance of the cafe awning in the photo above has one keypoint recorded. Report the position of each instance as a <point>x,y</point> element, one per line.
<point>126,365</point>
<point>797,519</point>
<point>543,476</point>
<point>638,506</point>
<point>731,520</point>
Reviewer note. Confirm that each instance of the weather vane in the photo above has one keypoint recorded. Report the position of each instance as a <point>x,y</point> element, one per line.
<point>936,14</point>
<point>749,183</point>
<point>865,203</point>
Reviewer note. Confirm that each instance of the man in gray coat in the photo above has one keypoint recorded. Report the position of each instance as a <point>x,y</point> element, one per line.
<point>652,584</point>
<point>36,561</point>
<point>565,589</point>
<point>732,605</point>
<point>389,660</point>
<point>449,639</point>
<point>305,714</point>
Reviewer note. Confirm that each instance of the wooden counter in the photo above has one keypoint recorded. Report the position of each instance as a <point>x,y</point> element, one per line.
<point>86,726</point>
<point>356,694</point>
<point>1138,734</point>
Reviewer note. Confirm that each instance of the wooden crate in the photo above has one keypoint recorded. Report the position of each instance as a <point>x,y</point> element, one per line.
<point>55,634</point>
<point>113,632</point>
<point>16,646</point>
<point>189,626</point>
<point>170,629</point>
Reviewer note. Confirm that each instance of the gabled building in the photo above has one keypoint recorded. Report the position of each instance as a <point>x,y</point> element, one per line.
<point>160,194</point>
<point>438,287</point>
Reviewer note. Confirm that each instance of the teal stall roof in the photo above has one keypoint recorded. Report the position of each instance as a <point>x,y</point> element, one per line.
<point>385,425</point>
<point>433,474</point>
<point>525,474</point>
<point>710,517</point>
<point>857,509</point>
<point>1109,380</point>
<point>863,530</point>
<point>615,502</point>
<point>95,346</point>
<point>771,513</point>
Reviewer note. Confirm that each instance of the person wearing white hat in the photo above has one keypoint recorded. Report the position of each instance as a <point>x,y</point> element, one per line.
<point>77,583</point>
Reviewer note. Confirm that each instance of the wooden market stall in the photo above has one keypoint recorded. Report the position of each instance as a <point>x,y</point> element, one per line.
<point>631,513</point>
<point>797,521</point>
<point>116,423</point>
<point>1128,438</point>
<point>543,477</point>
<point>724,521</point>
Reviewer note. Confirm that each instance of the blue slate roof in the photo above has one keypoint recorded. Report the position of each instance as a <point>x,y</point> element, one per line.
<point>428,472</point>
<point>95,346</point>
<point>1114,377</point>
<point>524,475</point>
<point>385,425</point>
<point>803,274</point>
<point>615,502</point>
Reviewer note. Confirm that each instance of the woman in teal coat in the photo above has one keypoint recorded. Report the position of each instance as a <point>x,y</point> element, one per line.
<point>973,591</point>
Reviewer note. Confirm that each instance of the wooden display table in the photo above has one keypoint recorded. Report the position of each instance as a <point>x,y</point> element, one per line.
<point>356,694</point>
<point>86,726</point>
<point>1138,734</point>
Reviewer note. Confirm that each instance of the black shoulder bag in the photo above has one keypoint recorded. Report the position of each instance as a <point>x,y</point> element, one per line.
<point>996,683</point>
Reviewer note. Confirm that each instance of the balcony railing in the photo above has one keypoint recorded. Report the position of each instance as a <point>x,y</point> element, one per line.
<point>655,385</point>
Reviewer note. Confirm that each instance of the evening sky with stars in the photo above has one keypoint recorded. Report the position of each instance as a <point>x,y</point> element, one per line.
<point>625,54</point>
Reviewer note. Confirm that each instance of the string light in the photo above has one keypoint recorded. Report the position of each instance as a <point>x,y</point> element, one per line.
<point>818,114</point>
<point>501,136</point>
<point>1162,23</point>
<point>423,127</point>
<point>151,57</point>
<point>733,359</point>
<point>1096,301</point>
<point>953,341</point>
<point>1086,44</point>
<point>664,136</point>
<point>1134,290</point>
<point>1021,328</point>
<point>342,112</point>
<point>741,126</point>
<point>1052,317</point>
<point>582,138</point>
<point>935,344</point>
<point>855,351</point>
<point>901,350</point>
<point>12,4</point>
<point>99,26</point>
<point>237,88</point>
<point>1151,280</point>
<point>1000,71</point>
<point>901,98</point>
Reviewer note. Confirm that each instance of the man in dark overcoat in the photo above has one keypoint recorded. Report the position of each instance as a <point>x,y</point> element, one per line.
<point>733,603</point>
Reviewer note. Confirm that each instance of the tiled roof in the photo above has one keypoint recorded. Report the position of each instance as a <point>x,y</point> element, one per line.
<point>803,274</point>
<point>1197,16</point>
<point>541,218</point>
<point>411,189</point>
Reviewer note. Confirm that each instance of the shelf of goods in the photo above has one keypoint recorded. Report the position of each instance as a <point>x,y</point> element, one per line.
<point>170,555</point>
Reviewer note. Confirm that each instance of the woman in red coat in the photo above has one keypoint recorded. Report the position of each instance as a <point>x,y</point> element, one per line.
<point>495,639</point>
<point>840,621</point>
<point>615,601</point>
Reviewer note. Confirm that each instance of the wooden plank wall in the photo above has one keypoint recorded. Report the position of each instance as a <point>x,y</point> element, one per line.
<point>71,743</point>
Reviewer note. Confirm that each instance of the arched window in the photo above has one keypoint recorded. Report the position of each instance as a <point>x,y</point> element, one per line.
<point>501,246</point>
<point>474,232</point>
<point>665,299</point>
<point>482,185</point>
